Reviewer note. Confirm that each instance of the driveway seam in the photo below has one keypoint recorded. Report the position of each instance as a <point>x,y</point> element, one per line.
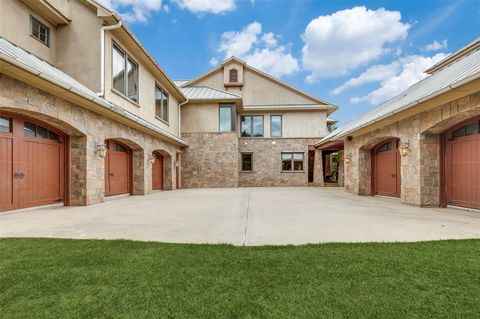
<point>246,219</point>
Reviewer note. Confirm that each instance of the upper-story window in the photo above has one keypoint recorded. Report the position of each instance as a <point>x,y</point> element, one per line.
<point>39,31</point>
<point>227,118</point>
<point>275,125</point>
<point>124,74</point>
<point>252,126</point>
<point>233,76</point>
<point>161,103</point>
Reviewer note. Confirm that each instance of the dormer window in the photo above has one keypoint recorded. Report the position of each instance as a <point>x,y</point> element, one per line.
<point>233,76</point>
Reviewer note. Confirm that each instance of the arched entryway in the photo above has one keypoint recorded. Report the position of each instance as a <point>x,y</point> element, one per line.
<point>33,162</point>
<point>157,171</point>
<point>386,179</point>
<point>118,168</point>
<point>461,164</point>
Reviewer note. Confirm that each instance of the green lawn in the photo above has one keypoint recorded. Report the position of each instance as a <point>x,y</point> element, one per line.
<point>49,278</point>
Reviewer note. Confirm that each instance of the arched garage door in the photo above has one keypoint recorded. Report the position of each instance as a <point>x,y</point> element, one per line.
<point>157,172</point>
<point>462,165</point>
<point>32,163</point>
<point>386,169</point>
<point>118,168</point>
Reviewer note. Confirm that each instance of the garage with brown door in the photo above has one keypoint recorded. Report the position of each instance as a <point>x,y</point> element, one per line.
<point>118,168</point>
<point>32,163</point>
<point>386,180</point>
<point>157,172</point>
<point>462,164</point>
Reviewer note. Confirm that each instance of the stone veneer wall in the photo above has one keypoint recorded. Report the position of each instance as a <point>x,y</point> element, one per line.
<point>420,170</point>
<point>86,129</point>
<point>210,160</point>
<point>267,165</point>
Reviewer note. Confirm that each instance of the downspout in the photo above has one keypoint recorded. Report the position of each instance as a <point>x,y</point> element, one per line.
<point>102,55</point>
<point>180,119</point>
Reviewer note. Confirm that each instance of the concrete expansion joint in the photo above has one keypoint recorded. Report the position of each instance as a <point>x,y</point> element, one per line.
<point>246,219</point>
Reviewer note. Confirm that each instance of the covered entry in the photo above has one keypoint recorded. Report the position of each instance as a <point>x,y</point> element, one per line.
<point>462,165</point>
<point>118,168</point>
<point>32,163</point>
<point>386,178</point>
<point>157,171</point>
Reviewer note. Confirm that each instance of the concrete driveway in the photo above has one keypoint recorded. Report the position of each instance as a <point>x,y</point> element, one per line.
<point>246,216</point>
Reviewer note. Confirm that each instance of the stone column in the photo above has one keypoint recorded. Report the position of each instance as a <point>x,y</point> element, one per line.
<point>318,169</point>
<point>341,172</point>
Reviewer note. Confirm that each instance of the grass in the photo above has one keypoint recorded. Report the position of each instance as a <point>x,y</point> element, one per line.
<point>53,278</point>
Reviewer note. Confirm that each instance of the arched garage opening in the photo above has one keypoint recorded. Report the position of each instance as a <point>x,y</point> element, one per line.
<point>161,170</point>
<point>118,168</point>
<point>461,164</point>
<point>386,179</point>
<point>33,163</point>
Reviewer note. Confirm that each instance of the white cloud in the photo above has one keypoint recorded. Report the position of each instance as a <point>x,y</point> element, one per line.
<point>134,10</point>
<point>435,46</point>
<point>213,61</point>
<point>207,6</point>
<point>260,50</point>
<point>410,70</point>
<point>345,40</point>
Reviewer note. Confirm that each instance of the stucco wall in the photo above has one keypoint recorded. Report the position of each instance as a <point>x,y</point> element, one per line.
<point>420,170</point>
<point>201,117</point>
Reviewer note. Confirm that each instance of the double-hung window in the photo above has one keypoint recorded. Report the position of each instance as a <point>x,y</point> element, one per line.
<point>275,126</point>
<point>227,118</point>
<point>161,103</point>
<point>124,74</point>
<point>292,161</point>
<point>39,31</point>
<point>252,126</point>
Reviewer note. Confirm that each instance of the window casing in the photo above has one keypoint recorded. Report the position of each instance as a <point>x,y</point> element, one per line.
<point>161,103</point>
<point>34,130</point>
<point>124,74</point>
<point>227,116</point>
<point>5,124</point>
<point>471,128</point>
<point>247,162</point>
<point>276,126</point>
<point>39,31</point>
<point>252,126</point>
<point>233,76</point>
<point>384,147</point>
<point>292,161</point>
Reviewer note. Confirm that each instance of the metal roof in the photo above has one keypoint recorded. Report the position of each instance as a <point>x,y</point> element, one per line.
<point>207,93</point>
<point>459,72</point>
<point>29,62</point>
<point>179,83</point>
<point>297,107</point>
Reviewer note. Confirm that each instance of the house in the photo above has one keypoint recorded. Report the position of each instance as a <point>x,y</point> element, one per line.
<point>247,128</point>
<point>86,114</point>
<point>422,145</point>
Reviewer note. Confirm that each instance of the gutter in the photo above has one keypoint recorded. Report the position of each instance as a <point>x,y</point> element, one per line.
<point>179,117</point>
<point>102,55</point>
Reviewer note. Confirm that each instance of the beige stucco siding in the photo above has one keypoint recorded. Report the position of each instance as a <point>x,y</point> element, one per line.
<point>62,5</point>
<point>199,118</point>
<point>215,80</point>
<point>15,27</point>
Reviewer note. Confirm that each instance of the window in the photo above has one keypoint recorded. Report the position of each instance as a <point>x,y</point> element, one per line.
<point>39,31</point>
<point>124,74</point>
<point>31,129</point>
<point>161,103</point>
<point>292,161</point>
<point>252,126</point>
<point>227,118</point>
<point>5,124</point>
<point>247,162</point>
<point>233,76</point>
<point>275,125</point>
<point>384,148</point>
<point>466,130</point>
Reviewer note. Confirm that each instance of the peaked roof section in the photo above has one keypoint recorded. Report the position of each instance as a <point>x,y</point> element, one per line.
<point>208,93</point>
<point>266,75</point>
<point>24,60</point>
<point>472,46</point>
<point>460,72</point>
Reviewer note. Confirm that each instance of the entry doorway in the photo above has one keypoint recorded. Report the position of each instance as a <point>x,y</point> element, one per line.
<point>386,179</point>
<point>331,167</point>
<point>118,168</point>
<point>157,171</point>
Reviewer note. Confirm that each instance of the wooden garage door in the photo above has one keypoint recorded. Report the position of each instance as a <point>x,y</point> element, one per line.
<point>386,169</point>
<point>117,168</point>
<point>32,163</point>
<point>462,165</point>
<point>157,172</point>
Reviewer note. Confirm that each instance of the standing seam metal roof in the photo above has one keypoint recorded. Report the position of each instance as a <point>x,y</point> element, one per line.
<point>207,93</point>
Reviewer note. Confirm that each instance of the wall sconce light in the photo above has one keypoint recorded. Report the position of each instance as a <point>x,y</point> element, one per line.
<point>151,159</point>
<point>100,150</point>
<point>348,158</point>
<point>405,147</point>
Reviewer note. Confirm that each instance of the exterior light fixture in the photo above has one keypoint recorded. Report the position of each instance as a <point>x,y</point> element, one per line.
<point>405,147</point>
<point>151,159</point>
<point>100,150</point>
<point>348,158</point>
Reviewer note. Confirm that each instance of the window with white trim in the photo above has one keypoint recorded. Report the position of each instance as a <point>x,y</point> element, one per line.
<point>124,74</point>
<point>161,103</point>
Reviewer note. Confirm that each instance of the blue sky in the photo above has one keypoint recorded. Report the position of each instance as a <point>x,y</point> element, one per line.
<point>353,54</point>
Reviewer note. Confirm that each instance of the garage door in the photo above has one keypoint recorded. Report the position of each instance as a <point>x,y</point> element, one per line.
<point>117,168</point>
<point>386,169</point>
<point>32,163</point>
<point>462,165</point>
<point>157,172</point>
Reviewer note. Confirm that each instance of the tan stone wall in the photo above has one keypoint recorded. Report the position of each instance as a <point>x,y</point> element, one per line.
<point>267,165</point>
<point>211,160</point>
<point>86,129</point>
<point>420,170</point>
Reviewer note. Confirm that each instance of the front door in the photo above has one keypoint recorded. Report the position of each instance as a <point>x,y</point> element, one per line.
<point>386,168</point>
<point>117,168</point>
